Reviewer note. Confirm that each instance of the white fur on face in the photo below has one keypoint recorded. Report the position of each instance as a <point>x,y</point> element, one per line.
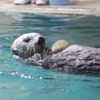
<point>27,45</point>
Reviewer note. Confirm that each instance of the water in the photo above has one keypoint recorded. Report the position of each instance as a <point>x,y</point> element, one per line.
<point>19,81</point>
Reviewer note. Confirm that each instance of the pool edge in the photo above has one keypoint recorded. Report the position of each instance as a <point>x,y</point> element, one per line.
<point>52,10</point>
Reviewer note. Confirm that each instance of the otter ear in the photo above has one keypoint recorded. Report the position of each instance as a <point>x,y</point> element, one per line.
<point>27,39</point>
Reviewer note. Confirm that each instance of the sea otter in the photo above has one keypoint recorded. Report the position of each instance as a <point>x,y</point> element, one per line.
<point>27,45</point>
<point>60,57</point>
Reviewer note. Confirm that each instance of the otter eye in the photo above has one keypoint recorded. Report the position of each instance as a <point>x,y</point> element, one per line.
<point>27,39</point>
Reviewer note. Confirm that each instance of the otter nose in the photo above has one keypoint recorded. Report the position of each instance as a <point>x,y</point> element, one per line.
<point>15,52</point>
<point>41,40</point>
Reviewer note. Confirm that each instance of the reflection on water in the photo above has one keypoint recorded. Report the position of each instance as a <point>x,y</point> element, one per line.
<point>19,81</point>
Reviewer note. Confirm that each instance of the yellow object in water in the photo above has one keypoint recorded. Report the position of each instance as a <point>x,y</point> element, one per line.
<point>59,45</point>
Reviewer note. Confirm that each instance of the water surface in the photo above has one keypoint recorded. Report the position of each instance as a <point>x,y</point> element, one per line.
<point>19,81</point>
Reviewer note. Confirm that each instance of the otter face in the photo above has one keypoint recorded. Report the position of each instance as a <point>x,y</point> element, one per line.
<point>28,44</point>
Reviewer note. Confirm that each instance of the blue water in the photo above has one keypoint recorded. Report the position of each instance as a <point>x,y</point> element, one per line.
<point>19,81</point>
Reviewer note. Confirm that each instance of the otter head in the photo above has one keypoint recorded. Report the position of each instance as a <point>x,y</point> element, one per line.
<point>28,44</point>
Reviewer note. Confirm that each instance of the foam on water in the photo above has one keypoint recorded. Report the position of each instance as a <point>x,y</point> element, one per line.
<point>19,81</point>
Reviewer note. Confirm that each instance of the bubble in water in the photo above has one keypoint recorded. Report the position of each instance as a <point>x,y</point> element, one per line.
<point>40,77</point>
<point>9,38</point>
<point>22,75</point>
<point>1,72</point>
<point>65,90</point>
<point>14,73</point>
<point>0,46</point>
<point>29,77</point>
<point>5,61</point>
<point>25,76</point>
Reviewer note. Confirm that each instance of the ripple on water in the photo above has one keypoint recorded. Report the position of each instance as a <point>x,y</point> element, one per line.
<point>21,75</point>
<point>20,81</point>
